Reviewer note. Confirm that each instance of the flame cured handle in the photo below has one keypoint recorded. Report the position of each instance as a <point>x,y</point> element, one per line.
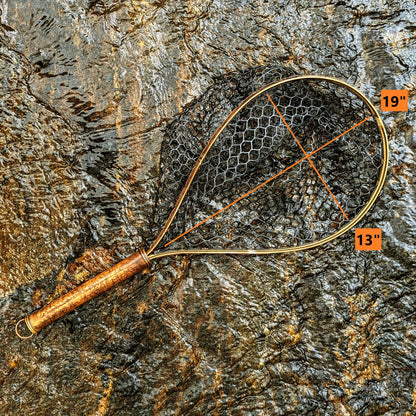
<point>86,291</point>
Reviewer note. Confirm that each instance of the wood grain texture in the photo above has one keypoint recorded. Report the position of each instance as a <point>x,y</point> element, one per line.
<point>87,291</point>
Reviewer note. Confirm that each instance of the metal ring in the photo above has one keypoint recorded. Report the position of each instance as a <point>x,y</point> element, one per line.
<point>143,253</point>
<point>17,330</point>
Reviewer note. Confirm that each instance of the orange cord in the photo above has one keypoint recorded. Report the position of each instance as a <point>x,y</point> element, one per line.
<point>307,156</point>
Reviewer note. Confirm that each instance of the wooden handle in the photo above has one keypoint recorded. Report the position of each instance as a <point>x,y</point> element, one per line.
<point>86,291</point>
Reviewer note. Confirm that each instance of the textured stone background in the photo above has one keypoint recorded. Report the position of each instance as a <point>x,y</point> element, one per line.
<point>86,90</point>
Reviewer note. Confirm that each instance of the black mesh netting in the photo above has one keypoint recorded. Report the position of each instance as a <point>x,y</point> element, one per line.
<point>293,209</point>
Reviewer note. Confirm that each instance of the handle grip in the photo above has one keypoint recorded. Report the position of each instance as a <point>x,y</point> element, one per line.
<point>85,292</point>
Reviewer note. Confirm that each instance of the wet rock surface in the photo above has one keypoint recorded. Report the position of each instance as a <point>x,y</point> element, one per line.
<point>88,90</point>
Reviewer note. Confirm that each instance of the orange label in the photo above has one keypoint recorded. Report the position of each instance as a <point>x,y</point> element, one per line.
<point>394,100</point>
<point>368,238</point>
